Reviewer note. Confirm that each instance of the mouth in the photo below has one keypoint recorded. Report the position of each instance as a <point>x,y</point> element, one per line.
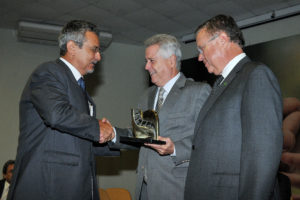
<point>152,73</point>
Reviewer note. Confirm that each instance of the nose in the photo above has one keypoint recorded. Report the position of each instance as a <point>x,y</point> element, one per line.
<point>98,56</point>
<point>147,65</point>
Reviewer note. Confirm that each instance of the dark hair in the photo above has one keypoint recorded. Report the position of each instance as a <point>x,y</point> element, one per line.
<point>5,166</point>
<point>75,30</point>
<point>224,23</point>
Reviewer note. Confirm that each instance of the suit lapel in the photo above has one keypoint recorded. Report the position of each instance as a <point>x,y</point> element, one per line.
<point>172,97</point>
<point>73,80</point>
<point>214,95</point>
<point>68,72</point>
<point>151,98</point>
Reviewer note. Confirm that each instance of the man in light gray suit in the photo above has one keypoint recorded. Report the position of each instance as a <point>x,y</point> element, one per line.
<point>162,169</point>
<point>238,139</point>
<point>59,132</point>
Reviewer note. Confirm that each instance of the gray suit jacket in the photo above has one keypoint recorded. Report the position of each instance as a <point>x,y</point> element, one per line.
<point>165,175</point>
<point>55,156</point>
<point>238,138</point>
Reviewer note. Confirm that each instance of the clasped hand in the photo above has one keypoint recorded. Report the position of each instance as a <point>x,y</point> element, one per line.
<point>106,131</point>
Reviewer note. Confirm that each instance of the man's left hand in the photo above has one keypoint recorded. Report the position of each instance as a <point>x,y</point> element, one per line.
<point>165,149</point>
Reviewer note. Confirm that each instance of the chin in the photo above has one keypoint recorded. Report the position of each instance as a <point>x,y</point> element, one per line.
<point>90,71</point>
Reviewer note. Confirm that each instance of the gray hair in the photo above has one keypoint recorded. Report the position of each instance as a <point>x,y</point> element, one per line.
<point>75,31</point>
<point>168,45</point>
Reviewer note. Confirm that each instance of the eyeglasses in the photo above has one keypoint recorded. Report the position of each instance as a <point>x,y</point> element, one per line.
<point>95,49</point>
<point>201,49</point>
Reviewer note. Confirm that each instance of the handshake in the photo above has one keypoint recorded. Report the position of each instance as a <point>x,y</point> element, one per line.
<point>106,131</point>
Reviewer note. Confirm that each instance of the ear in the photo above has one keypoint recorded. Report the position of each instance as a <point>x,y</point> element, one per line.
<point>172,60</point>
<point>71,47</point>
<point>223,38</point>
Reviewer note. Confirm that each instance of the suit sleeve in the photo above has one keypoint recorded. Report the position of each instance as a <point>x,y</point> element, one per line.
<point>261,114</point>
<point>184,147</point>
<point>125,132</point>
<point>49,95</point>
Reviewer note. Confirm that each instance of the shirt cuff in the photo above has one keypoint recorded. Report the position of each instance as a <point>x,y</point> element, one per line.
<point>115,138</point>
<point>174,153</point>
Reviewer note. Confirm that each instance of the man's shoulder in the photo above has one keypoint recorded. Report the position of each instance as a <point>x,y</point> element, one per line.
<point>50,65</point>
<point>193,85</point>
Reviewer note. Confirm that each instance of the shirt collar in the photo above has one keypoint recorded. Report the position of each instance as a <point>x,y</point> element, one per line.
<point>6,184</point>
<point>168,86</point>
<point>229,67</point>
<point>74,71</point>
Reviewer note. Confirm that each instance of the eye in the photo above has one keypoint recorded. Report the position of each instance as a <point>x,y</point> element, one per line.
<point>151,60</point>
<point>96,49</point>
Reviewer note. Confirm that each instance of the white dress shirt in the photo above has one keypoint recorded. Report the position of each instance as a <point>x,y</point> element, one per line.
<point>167,87</point>
<point>229,67</point>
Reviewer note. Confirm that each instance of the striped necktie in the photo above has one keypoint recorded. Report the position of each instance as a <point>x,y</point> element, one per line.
<point>160,99</point>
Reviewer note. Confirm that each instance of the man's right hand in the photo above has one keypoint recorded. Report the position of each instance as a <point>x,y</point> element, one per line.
<point>106,131</point>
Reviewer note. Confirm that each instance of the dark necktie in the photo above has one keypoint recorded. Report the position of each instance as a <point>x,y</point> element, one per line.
<point>81,83</point>
<point>218,81</point>
<point>160,99</point>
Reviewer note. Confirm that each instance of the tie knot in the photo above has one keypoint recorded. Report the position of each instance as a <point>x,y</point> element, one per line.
<point>161,92</point>
<point>81,83</point>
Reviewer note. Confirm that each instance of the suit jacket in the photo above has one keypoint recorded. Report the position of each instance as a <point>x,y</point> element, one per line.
<point>2,183</point>
<point>55,156</point>
<point>238,138</point>
<point>165,175</point>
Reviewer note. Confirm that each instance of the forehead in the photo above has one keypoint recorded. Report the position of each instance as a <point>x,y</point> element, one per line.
<point>92,38</point>
<point>152,50</point>
<point>202,35</point>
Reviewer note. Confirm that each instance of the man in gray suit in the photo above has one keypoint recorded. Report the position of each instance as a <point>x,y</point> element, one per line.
<point>58,129</point>
<point>238,139</point>
<point>162,169</point>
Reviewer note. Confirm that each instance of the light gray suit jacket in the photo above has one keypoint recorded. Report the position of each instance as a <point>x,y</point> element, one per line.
<point>238,138</point>
<point>165,175</point>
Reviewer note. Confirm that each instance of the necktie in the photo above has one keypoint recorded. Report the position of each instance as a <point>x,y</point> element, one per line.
<point>81,83</point>
<point>160,99</point>
<point>218,81</point>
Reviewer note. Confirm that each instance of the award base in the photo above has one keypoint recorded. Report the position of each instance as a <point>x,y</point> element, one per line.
<point>140,140</point>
